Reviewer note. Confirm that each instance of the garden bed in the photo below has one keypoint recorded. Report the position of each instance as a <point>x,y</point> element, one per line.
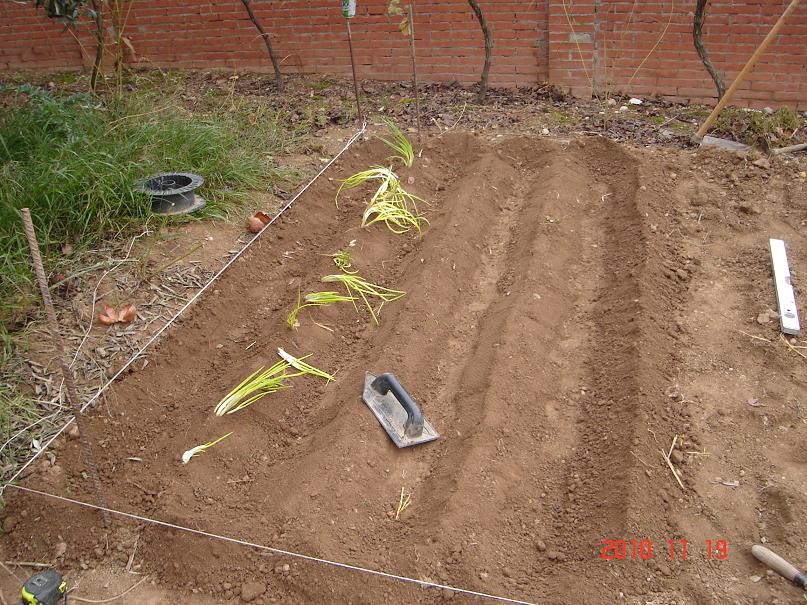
<point>555,330</point>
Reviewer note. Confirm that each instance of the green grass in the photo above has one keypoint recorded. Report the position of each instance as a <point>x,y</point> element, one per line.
<point>73,161</point>
<point>757,128</point>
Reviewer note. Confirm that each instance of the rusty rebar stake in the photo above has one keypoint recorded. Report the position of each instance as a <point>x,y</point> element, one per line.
<point>67,374</point>
<point>410,15</point>
<point>353,67</point>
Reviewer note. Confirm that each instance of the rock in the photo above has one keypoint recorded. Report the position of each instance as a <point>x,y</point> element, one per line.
<point>611,102</point>
<point>483,575</point>
<point>763,318</point>
<point>251,591</point>
<point>447,594</point>
<point>682,275</point>
<point>763,163</point>
<point>768,111</point>
<point>61,549</point>
<point>540,545</point>
<point>72,432</point>
<point>552,555</point>
<point>803,175</point>
<point>507,572</point>
<point>9,523</point>
<point>545,131</point>
<point>410,180</point>
<point>635,101</point>
<point>677,457</point>
<point>755,579</point>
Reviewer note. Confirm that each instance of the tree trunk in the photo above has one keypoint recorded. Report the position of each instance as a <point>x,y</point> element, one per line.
<point>483,82</point>
<point>99,40</point>
<point>278,77</point>
<point>697,32</point>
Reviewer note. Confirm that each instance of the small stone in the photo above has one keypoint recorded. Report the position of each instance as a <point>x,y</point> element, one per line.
<point>251,591</point>
<point>682,275</point>
<point>73,433</point>
<point>763,163</point>
<point>483,575</point>
<point>763,318</point>
<point>552,555</point>
<point>611,102</point>
<point>768,111</point>
<point>803,175</point>
<point>9,523</point>
<point>447,594</point>
<point>755,579</point>
<point>540,545</point>
<point>61,549</point>
<point>507,572</point>
<point>677,457</point>
<point>410,180</point>
<point>545,131</point>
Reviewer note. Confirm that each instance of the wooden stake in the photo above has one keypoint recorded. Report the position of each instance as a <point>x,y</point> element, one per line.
<point>410,15</point>
<point>353,67</point>
<point>746,70</point>
<point>67,374</point>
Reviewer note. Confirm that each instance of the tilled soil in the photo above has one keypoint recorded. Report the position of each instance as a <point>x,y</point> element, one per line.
<point>571,310</point>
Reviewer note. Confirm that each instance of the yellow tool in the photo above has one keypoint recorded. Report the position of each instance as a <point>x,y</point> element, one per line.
<point>46,588</point>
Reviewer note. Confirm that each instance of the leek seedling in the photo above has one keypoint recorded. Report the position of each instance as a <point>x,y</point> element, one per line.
<point>255,386</point>
<point>343,260</point>
<point>356,283</point>
<point>315,299</point>
<point>186,457</point>
<point>377,173</point>
<point>398,143</point>
<point>299,364</point>
<point>394,215</point>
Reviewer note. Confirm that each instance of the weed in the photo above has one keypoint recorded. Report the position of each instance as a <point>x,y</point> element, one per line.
<point>758,128</point>
<point>73,161</point>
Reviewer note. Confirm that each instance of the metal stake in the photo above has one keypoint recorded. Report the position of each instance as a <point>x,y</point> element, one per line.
<point>353,66</point>
<point>67,374</point>
<point>410,11</point>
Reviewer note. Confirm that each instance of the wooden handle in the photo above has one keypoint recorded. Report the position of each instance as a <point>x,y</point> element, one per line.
<point>748,67</point>
<point>779,565</point>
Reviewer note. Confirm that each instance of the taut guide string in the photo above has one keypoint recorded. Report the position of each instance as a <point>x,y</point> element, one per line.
<point>277,551</point>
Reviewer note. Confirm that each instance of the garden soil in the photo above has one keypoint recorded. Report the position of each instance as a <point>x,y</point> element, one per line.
<point>574,312</point>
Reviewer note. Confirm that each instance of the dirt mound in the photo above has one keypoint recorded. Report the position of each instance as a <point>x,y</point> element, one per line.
<point>549,321</point>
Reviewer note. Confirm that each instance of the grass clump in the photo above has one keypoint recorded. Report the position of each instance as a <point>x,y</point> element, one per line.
<point>758,128</point>
<point>398,143</point>
<point>73,161</point>
<point>358,285</point>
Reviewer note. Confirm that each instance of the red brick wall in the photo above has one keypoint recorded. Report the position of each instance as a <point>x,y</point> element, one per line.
<point>572,43</point>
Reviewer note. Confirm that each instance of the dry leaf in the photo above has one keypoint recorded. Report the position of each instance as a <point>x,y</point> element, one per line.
<point>111,315</point>
<point>127,314</point>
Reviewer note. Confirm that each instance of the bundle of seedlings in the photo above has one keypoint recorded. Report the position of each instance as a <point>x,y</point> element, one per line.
<point>264,382</point>
<point>356,284</point>
<point>390,204</point>
<point>398,143</point>
<point>315,299</point>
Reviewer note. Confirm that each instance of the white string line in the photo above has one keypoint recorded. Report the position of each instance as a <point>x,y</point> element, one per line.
<point>277,551</point>
<point>193,299</point>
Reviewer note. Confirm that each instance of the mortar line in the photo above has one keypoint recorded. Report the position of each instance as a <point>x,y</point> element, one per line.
<point>193,299</point>
<point>278,551</point>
